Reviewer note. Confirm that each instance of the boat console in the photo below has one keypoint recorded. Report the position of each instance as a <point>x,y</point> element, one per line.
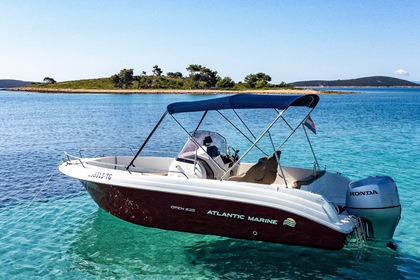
<point>201,157</point>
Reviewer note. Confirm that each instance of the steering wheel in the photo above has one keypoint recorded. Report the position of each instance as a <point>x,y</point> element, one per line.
<point>235,155</point>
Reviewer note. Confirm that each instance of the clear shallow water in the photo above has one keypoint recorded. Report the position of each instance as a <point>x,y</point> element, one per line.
<point>63,234</point>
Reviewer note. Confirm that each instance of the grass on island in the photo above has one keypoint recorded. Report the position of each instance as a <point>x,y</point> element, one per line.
<point>168,84</point>
<point>101,83</point>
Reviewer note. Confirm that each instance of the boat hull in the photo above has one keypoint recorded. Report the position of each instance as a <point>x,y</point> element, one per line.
<point>204,215</point>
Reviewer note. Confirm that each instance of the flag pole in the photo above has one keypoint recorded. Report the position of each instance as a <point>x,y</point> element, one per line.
<point>310,145</point>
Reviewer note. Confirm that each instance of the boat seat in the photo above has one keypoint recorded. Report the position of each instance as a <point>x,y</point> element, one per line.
<point>308,180</point>
<point>263,172</point>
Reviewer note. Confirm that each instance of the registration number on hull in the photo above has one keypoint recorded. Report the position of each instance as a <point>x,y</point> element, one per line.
<point>100,175</point>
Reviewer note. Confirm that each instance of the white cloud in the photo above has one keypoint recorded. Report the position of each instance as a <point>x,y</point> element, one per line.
<point>401,72</point>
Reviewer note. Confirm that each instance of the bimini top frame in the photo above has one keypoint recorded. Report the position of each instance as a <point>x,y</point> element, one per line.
<point>238,101</point>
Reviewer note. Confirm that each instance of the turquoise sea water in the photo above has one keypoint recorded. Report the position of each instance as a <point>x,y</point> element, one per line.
<point>63,234</point>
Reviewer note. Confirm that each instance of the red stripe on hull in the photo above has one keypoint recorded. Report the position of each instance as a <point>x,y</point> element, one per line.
<point>212,216</point>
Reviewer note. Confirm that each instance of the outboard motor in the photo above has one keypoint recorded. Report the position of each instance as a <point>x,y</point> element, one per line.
<point>376,200</point>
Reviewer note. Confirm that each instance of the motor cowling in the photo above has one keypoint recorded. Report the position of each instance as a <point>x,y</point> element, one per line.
<point>376,200</point>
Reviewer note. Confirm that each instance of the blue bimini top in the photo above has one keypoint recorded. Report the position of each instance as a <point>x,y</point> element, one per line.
<point>245,101</point>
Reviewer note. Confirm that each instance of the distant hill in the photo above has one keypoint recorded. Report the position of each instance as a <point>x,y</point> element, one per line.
<point>13,83</point>
<point>375,81</point>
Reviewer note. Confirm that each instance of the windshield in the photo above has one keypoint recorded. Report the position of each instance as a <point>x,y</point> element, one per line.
<point>203,138</point>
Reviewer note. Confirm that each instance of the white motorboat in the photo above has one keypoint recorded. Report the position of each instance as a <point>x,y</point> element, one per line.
<point>210,188</point>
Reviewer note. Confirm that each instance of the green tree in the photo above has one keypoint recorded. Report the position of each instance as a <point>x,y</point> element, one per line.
<point>194,69</point>
<point>157,71</point>
<point>176,75</point>
<point>144,81</point>
<point>209,77</point>
<point>157,79</point>
<point>201,77</point>
<point>124,79</point>
<point>257,80</point>
<point>226,82</point>
<point>49,80</point>
<point>116,80</point>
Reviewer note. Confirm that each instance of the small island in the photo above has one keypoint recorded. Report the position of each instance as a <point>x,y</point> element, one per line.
<point>200,80</point>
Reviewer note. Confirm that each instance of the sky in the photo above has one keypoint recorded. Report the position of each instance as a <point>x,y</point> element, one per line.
<point>290,40</point>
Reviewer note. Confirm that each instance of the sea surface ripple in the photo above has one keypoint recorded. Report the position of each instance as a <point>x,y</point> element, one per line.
<point>51,229</point>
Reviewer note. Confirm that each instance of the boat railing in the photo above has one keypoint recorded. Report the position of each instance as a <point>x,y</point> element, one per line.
<point>94,162</point>
<point>105,149</point>
<point>97,162</point>
<point>128,149</point>
<point>70,157</point>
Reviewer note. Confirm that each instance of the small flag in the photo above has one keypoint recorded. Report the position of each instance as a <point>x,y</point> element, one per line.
<point>309,123</point>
